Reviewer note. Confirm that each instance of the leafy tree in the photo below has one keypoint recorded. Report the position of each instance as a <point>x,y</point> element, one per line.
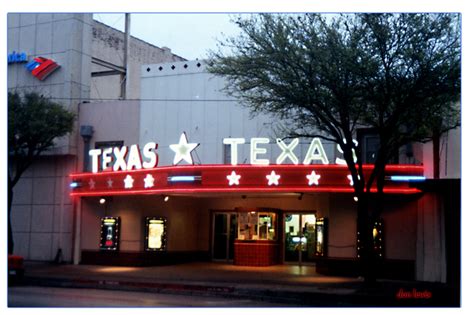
<point>398,74</point>
<point>33,124</point>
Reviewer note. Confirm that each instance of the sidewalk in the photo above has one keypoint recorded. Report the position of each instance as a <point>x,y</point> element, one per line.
<point>293,285</point>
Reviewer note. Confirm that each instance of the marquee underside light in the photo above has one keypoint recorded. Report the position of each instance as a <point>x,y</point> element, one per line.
<point>235,179</point>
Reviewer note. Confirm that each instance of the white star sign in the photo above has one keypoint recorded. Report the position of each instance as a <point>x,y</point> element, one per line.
<point>149,181</point>
<point>183,150</point>
<point>233,178</point>
<point>128,181</point>
<point>313,178</point>
<point>273,179</point>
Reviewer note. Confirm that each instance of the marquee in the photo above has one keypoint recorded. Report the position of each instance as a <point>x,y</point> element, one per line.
<point>244,178</point>
<point>131,171</point>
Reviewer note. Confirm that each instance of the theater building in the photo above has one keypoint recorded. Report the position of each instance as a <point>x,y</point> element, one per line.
<point>187,174</point>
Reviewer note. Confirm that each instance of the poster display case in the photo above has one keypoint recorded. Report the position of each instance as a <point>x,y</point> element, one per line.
<point>109,233</point>
<point>321,237</point>
<point>155,234</point>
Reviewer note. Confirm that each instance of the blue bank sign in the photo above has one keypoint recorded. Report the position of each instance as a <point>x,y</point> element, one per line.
<point>17,57</point>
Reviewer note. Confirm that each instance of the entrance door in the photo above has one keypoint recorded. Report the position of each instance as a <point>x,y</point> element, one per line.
<point>300,237</point>
<point>224,235</point>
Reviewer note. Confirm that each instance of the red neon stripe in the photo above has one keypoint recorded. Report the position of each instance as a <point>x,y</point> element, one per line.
<point>411,168</point>
<point>238,190</point>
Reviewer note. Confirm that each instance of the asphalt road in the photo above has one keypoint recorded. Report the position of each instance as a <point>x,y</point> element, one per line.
<point>65,297</point>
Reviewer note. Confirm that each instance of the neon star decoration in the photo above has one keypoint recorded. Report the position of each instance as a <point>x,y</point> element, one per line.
<point>110,182</point>
<point>91,184</point>
<point>128,181</point>
<point>313,178</point>
<point>233,179</point>
<point>183,150</point>
<point>149,181</point>
<point>273,179</point>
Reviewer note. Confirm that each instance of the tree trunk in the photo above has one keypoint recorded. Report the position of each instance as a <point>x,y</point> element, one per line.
<point>436,145</point>
<point>367,255</point>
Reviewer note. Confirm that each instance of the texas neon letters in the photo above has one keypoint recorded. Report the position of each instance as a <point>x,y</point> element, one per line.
<point>126,159</point>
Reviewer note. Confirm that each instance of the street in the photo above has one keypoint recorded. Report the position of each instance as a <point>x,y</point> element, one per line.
<point>61,297</point>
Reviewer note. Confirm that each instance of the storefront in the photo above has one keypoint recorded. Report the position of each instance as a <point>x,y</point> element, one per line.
<point>251,215</point>
<point>231,191</point>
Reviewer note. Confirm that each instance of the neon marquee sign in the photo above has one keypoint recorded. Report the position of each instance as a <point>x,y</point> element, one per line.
<point>244,178</point>
<point>127,159</point>
<point>131,170</point>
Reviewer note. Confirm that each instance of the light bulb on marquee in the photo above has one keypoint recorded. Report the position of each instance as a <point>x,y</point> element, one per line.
<point>183,150</point>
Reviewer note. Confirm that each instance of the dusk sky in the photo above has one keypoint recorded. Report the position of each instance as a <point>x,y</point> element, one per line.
<point>189,35</point>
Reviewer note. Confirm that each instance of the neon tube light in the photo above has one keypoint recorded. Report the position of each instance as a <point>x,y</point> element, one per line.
<point>74,185</point>
<point>179,179</point>
<point>406,178</point>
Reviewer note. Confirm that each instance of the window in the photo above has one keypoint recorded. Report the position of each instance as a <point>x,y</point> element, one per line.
<point>266,226</point>
<point>371,146</point>
<point>369,142</point>
<point>257,226</point>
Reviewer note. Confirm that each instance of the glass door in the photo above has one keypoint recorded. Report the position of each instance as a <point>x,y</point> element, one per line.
<point>300,237</point>
<point>224,235</point>
<point>308,232</point>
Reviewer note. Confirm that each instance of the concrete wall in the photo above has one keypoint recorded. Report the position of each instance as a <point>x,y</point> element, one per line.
<point>400,227</point>
<point>400,224</point>
<point>342,226</point>
<point>450,155</point>
<point>190,99</point>
<point>112,121</point>
<point>42,212</point>
<point>108,45</point>
<point>431,246</point>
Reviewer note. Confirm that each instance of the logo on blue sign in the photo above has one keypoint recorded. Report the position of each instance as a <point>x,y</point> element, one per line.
<point>17,57</point>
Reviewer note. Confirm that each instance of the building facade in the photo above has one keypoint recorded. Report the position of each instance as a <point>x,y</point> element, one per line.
<point>63,57</point>
<point>234,209</point>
